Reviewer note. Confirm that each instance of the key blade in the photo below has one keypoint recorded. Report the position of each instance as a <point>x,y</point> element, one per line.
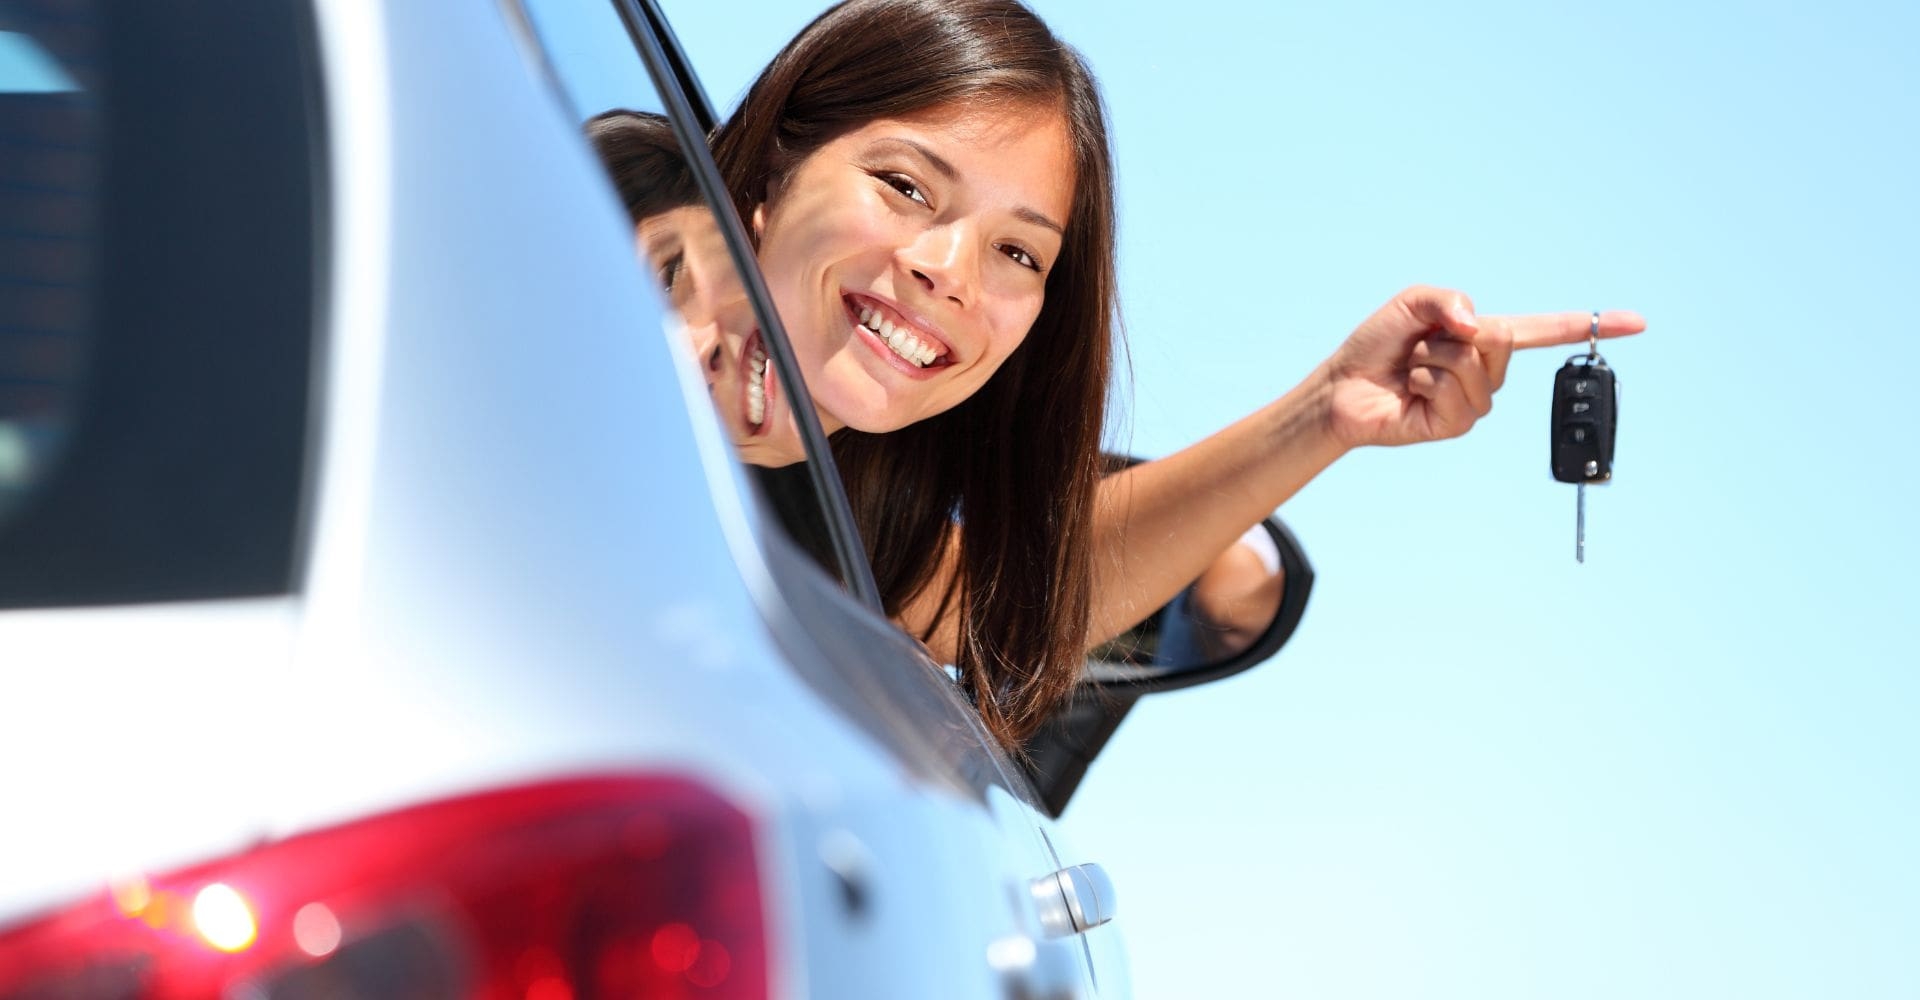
<point>1580,524</point>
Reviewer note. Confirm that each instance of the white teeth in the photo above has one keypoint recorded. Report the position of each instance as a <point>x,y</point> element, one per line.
<point>898,338</point>
<point>757,388</point>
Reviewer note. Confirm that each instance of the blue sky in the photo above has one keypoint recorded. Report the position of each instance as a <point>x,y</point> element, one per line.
<point>1685,769</point>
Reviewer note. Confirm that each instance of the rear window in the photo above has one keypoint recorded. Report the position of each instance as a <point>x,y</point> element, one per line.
<point>157,298</point>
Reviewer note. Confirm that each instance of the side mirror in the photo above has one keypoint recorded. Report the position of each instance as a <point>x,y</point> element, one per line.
<point>1196,638</point>
<point>1216,627</point>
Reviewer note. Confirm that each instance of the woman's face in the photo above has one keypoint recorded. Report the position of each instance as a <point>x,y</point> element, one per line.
<point>684,249</point>
<point>909,257</point>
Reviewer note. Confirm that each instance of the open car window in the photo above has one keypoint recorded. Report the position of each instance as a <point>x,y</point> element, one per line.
<point>681,243</point>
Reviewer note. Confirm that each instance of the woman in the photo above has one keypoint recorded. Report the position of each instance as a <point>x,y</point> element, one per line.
<point>930,187</point>
<point>943,168</point>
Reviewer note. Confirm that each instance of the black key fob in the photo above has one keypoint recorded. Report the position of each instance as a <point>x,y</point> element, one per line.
<point>1586,400</point>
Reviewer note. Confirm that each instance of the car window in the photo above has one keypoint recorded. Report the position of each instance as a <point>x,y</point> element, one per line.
<point>156,299</point>
<point>679,241</point>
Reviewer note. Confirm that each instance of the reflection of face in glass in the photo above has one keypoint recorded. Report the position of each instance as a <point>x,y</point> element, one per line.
<point>909,258</point>
<point>686,253</point>
<point>682,246</point>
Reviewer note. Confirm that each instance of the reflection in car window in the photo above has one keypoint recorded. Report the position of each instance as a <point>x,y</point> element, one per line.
<point>679,242</point>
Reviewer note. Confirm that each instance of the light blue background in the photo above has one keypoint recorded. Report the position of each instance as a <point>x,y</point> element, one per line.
<point>1685,769</point>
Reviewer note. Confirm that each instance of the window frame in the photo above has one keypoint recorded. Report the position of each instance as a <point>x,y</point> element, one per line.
<point>674,80</point>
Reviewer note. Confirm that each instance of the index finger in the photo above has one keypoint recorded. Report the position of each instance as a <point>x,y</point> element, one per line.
<point>1549,329</point>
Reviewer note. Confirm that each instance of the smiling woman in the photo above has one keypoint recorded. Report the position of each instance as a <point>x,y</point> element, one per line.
<point>931,179</point>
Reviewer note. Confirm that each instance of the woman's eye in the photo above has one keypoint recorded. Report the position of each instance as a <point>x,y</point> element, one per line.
<point>670,270</point>
<point>1020,257</point>
<point>905,185</point>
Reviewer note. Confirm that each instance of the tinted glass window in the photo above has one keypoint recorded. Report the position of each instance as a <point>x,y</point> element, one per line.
<point>157,266</point>
<point>49,180</point>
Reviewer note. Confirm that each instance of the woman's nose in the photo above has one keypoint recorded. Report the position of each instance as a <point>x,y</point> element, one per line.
<point>943,262</point>
<point>705,342</point>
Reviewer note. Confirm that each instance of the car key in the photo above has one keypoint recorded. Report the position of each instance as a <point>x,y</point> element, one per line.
<point>1586,401</point>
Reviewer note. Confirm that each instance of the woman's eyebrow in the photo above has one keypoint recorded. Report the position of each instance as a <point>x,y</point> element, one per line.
<point>661,241</point>
<point>947,170</point>
<point>1029,215</point>
<point>939,163</point>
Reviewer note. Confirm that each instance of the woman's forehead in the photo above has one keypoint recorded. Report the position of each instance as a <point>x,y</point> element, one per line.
<point>984,118</point>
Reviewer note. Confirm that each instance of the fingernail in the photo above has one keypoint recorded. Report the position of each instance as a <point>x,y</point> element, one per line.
<point>1462,316</point>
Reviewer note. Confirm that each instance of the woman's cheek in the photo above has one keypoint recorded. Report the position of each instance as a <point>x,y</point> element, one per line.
<point>870,233</point>
<point>1015,323</point>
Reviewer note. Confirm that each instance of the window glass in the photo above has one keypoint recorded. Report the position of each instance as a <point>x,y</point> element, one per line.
<point>679,242</point>
<point>156,300</point>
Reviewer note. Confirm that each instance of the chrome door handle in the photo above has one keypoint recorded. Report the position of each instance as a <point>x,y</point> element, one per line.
<point>1074,900</point>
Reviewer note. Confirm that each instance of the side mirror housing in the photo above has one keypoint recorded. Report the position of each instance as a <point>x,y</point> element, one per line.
<point>1176,647</point>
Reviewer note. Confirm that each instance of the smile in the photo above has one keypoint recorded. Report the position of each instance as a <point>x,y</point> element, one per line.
<point>908,342</point>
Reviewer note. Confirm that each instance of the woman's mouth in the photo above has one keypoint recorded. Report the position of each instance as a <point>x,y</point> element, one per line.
<point>910,344</point>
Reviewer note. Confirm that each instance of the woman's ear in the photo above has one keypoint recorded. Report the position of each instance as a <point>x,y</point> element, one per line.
<point>758,219</point>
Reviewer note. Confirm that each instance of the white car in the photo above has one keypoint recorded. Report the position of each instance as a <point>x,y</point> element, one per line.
<point>382,610</point>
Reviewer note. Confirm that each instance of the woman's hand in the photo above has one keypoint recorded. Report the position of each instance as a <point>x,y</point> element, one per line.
<point>1425,367</point>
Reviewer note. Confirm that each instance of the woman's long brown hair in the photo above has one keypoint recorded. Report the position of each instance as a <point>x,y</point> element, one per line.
<point>1014,468</point>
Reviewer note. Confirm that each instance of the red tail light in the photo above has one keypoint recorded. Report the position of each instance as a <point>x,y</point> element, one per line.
<point>600,887</point>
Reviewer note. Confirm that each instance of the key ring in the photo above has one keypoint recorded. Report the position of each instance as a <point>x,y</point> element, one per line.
<point>1593,337</point>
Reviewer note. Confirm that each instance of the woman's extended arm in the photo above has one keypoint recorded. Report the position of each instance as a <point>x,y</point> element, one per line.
<point>1159,524</point>
<point>1422,368</point>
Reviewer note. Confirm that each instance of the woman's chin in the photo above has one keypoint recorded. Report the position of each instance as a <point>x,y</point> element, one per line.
<point>868,415</point>
<point>765,455</point>
<point>770,447</point>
